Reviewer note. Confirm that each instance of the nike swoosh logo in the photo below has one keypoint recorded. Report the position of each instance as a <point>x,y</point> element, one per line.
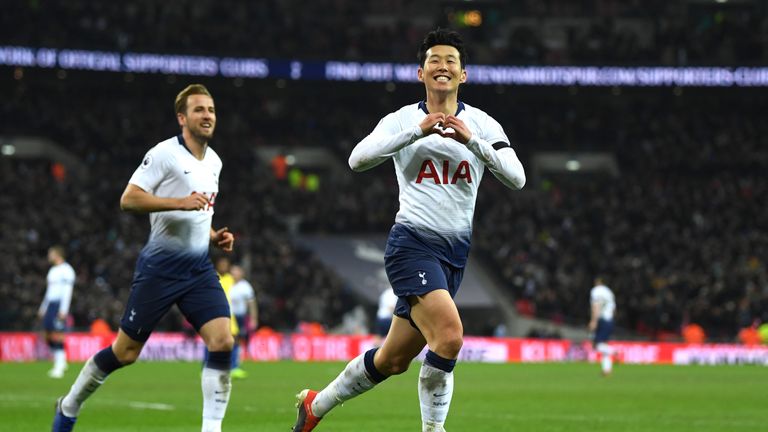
<point>187,172</point>
<point>440,395</point>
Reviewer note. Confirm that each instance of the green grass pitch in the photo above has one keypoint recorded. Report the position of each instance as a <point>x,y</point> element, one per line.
<point>569,397</point>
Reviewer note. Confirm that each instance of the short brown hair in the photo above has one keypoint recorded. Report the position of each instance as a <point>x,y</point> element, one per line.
<point>60,251</point>
<point>192,89</point>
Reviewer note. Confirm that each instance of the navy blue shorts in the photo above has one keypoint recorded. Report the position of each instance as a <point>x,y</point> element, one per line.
<point>414,272</point>
<point>51,321</point>
<point>603,331</point>
<point>200,298</point>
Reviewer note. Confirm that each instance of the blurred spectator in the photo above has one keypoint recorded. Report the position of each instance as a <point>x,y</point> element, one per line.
<point>694,334</point>
<point>99,327</point>
<point>763,332</point>
<point>749,336</point>
<point>675,32</point>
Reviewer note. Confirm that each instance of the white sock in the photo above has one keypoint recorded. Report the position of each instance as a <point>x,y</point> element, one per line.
<point>89,379</point>
<point>435,392</point>
<point>216,389</point>
<point>351,382</point>
<point>606,354</point>
<point>59,359</point>
<point>211,425</point>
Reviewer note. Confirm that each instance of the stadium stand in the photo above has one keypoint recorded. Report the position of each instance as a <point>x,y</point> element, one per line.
<point>680,234</point>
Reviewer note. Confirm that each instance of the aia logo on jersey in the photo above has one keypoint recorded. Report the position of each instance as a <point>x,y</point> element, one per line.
<point>447,176</point>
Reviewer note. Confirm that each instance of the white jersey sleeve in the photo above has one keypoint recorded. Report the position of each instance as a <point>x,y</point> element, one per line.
<point>386,139</point>
<point>493,148</point>
<point>152,171</point>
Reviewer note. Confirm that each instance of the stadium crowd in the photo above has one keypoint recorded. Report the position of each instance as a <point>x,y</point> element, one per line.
<point>680,233</point>
<point>531,32</point>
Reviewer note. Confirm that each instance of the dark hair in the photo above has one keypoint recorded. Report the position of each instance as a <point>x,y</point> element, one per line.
<point>443,37</point>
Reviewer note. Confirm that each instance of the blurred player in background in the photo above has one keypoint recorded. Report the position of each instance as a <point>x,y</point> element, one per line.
<point>223,268</point>
<point>177,184</point>
<point>385,313</point>
<point>242,299</point>
<point>55,307</point>
<point>603,304</point>
<point>441,148</point>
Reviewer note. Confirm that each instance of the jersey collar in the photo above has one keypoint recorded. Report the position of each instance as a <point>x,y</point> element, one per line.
<point>184,144</point>
<point>423,107</point>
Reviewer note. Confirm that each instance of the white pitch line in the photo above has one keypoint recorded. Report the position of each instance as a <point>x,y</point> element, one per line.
<point>151,406</point>
<point>36,401</point>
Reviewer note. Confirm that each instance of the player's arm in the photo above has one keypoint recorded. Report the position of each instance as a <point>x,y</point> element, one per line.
<point>498,156</point>
<point>253,312</point>
<point>136,199</point>
<point>387,139</point>
<point>223,239</point>
<point>43,305</point>
<point>66,297</point>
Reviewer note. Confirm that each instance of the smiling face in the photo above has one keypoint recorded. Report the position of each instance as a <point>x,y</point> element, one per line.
<point>442,70</point>
<point>199,117</point>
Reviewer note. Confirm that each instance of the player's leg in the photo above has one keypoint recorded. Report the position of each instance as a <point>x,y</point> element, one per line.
<point>216,380</point>
<point>429,286</point>
<point>54,338</point>
<point>602,335</point>
<point>437,317</point>
<point>237,372</point>
<point>402,344</point>
<point>123,351</point>
<point>56,343</point>
<point>150,299</point>
<point>207,309</point>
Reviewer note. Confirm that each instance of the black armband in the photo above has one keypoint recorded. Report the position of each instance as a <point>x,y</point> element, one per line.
<point>500,145</point>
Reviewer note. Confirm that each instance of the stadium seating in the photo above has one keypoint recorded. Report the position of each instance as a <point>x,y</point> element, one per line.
<point>680,235</point>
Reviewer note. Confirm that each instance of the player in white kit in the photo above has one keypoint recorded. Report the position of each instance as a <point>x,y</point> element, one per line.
<point>440,148</point>
<point>602,306</point>
<point>55,307</point>
<point>245,309</point>
<point>177,183</point>
<point>385,313</point>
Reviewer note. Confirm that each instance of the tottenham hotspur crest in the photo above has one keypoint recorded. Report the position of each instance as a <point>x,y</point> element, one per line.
<point>423,279</point>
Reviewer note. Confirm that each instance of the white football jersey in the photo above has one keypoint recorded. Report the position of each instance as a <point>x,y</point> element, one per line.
<point>239,295</point>
<point>178,240</point>
<point>438,176</point>
<point>61,281</point>
<point>387,303</point>
<point>603,295</point>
